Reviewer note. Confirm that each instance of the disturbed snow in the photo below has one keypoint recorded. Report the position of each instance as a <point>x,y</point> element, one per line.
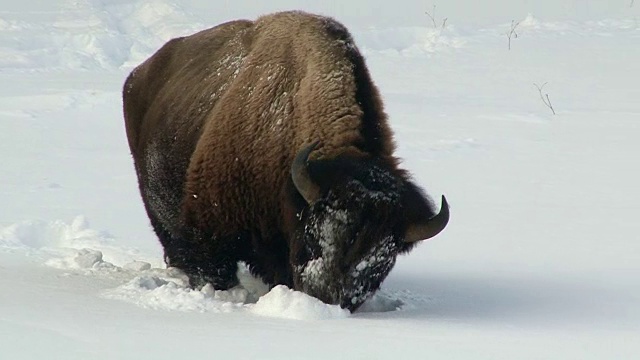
<point>74,247</point>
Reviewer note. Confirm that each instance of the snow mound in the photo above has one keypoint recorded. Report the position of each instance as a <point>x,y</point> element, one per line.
<point>286,303</point>
<point>94,34</point>
<point>38,234</point>
<point>64,245</point>
<point>169,290</point>
<point>82,259</point>
<point>534,25</point>
<point>408,41</point>
<point>381,302</point>
<point>137,266</point>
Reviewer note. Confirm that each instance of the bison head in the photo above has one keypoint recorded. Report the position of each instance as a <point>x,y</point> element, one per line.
<point>360,213</point>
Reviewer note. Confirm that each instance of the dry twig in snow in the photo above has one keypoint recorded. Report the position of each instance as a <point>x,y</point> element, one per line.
<point>545,97</point>
<point>512,32</point>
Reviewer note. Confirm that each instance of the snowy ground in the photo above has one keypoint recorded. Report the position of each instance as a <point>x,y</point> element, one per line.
<point>542,255</point>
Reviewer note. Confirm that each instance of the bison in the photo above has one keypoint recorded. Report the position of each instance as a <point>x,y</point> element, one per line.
<point>266,142</point>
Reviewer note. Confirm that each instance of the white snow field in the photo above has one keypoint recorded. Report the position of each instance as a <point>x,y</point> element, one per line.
<point>541,259</point>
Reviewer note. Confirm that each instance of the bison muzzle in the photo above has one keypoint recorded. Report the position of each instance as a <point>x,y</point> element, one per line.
<point>266,142</point>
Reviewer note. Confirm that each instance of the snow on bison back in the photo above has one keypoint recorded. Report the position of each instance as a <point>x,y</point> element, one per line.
<point>266,142</point>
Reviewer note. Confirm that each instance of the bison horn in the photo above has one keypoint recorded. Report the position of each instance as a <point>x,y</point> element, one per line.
<point>309,190</point>
<point>431,227</point>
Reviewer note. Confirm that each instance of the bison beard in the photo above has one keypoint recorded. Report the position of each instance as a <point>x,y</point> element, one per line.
<point>219,125</point>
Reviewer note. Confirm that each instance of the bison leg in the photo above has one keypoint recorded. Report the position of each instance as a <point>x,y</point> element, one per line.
<point>218,271</point>
<point>206,259</point>
<point>202,258</point>
<point>270,261</point>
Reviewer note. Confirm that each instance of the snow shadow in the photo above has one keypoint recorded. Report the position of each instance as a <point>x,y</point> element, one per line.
<point>527,300</point>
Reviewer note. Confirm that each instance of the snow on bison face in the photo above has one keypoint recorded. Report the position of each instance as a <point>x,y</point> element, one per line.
<point>360,216</point>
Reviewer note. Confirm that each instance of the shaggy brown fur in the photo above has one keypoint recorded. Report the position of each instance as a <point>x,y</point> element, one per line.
<point>214,121</point>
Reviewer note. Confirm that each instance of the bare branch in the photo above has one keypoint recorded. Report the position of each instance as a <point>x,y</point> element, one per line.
<point>512,32</point>
<point>631,4</point>
<point>545,98</point>
<point>432,16</point>
<point>549,103</point>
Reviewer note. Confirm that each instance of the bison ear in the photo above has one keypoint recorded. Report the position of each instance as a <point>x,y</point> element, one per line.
<point>422,222</point>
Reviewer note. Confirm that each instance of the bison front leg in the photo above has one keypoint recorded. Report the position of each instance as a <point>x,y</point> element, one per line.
<point>206,260</point>
<point>220,274</point>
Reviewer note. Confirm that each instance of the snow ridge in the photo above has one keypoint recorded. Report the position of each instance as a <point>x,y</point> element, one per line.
<point>61,243</point>
<point>94,34</point>
<point>78,249</point>
<point>99,34</point>
<point>286,303</point>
